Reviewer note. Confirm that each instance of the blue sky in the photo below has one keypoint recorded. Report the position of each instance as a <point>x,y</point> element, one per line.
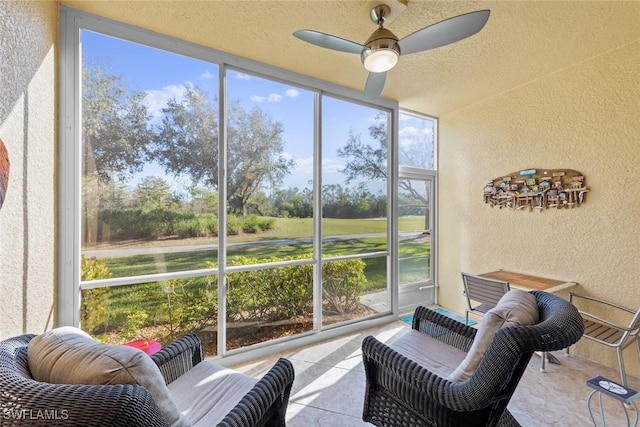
<point>163,75</point>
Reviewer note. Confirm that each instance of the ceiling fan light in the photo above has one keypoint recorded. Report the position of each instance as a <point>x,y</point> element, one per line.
<point>380,60</point>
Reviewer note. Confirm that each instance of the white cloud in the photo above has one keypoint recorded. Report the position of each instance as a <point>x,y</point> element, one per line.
<point>331,165</point>
<point>410,135</point>
<point>156,100</point>
<point>304,164</point>
<point>408,131</point>
<point>302,173</point>
<point>207,75</point>
<point>407,143</point>
<point>291,93</point>
<point>241,76</point>
<point>273,97</point>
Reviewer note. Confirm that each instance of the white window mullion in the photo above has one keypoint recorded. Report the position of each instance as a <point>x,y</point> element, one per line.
<point>222,212</point>
<point>317,214</point>
<point>68,304</point>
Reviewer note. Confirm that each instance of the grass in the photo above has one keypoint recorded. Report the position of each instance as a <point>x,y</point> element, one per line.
<point>290,237</point>
<point>285,228</point>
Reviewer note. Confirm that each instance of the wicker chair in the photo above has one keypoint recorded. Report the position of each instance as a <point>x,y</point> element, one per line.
<point>401,392</point>
<point>24,401</point>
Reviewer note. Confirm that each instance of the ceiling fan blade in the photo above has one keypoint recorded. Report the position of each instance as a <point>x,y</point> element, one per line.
<point>328,41</point>
<point>375,84</point>
<point>444,32</point>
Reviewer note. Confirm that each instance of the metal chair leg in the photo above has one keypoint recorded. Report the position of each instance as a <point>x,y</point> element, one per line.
<point>623,375</point>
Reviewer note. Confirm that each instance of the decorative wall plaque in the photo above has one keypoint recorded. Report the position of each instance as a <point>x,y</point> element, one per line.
<point>537,189</point>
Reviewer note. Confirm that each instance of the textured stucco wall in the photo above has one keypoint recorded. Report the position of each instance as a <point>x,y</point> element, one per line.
<point>584,117</point>
<point>28,32</point>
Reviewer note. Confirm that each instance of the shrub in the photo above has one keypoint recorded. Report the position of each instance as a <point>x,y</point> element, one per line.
<point>93,269</point>
<point>250,224</point>
<point>187,228</point>
<point>130,224</point>
<point>94,309</point>
<point>283,292</point>
<point>172,308</point>
<point>190,305</point>
<point>343,283</point>
<point>271,293</point>
<point>135,321</point>
<point>175,307</point>
<point>209,224</point>
<point>233,225</point>
<point>127,224</point>
<point>266,223</point>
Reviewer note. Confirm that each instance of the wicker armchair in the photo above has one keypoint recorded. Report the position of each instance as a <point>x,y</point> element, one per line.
<point>24,401</point>
<point>401,392</point>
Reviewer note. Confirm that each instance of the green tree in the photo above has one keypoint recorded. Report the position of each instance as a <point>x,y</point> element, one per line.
<point>155,193</point>
<point>187,140</point>
<point>113,195</point>
<point>187,143</point>
<point>363,160</point>
<point>291,202</point>
<point>115,138</point>
<point>339,202</point>
<point>370,162</point>
<point>203,200</point>
<point>115,125</point>
<point>255,155</point>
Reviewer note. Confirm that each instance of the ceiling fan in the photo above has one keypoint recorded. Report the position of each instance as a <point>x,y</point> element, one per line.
<point>381,51</point>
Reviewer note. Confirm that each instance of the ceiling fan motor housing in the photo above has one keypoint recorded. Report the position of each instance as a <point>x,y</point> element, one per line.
<point>382,40</point>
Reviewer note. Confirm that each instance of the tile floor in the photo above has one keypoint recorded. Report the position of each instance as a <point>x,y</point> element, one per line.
<point>329,386</point>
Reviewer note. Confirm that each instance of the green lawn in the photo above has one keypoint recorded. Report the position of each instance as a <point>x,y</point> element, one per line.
<point>125,304</point>
<point>285,228</point>
<point>295,228</point>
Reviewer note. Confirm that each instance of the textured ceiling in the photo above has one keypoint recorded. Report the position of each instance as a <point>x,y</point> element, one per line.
<point>522,41</point>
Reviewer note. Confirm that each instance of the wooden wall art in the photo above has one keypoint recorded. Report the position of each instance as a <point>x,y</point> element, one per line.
<point>537,189</point>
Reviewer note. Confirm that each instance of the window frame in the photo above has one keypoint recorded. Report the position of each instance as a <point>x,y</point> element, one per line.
<point>72,22</point>
<point>431,175</point>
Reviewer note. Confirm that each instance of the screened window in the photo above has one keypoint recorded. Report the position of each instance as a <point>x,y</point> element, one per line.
<point>416,209</point>
<point>201,192</point>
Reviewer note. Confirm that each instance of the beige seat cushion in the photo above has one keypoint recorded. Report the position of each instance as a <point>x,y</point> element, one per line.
<point>428,352</point>
<point>515,308</point>
<point>69,355</point>
<point>208,392</point>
